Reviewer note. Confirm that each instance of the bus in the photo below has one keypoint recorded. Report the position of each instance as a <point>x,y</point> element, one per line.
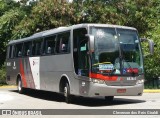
<point>87,60</point>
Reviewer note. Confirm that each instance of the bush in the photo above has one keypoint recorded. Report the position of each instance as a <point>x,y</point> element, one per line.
<point>2,75</point>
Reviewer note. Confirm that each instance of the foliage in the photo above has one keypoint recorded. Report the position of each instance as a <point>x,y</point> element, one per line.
<point>152,62</point>
<point>50,14</point>
<point>152,66</point>
<point>6,5</point>
<point>45,15</point>
<point>10,16</point>
<point>21,19</point>
<point>2,75</point>
<point>8,21</point>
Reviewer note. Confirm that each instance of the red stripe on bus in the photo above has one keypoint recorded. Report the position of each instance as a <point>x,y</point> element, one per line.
<point>23,74</point>
<point>102,77</point>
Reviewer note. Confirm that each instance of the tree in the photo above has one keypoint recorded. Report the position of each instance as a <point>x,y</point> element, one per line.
<point>152,66</point>
<point>11,13</point>
<point>45,15</point>
<point>6,5</point>
<point>7,17</point>
<point>21,19</point>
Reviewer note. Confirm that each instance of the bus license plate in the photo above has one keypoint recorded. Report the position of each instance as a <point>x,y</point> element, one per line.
<point>121,90</point>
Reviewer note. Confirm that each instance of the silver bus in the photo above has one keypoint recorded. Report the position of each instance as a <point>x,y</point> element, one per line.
<point>86,60</point>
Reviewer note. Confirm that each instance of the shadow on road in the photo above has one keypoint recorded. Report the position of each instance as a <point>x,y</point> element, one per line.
<point>83,101</point>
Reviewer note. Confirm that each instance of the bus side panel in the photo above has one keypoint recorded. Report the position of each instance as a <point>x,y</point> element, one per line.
<point>25,72</point>
<point>28,74</point>
<point>12,69</point>
<point>22,67</point>
<point>33,72</point>
<point>15,67</point>
<point>52,68</point>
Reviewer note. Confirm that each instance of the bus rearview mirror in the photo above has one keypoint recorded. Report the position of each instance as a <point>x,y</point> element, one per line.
<point>151,46</point>
<point>150,43</point>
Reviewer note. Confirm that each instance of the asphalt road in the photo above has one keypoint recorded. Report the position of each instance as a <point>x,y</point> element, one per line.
<point>11,99</point>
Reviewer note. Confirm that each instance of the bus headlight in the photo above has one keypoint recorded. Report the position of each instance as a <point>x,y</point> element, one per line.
<point>98,81</point>
<point>141,81</point>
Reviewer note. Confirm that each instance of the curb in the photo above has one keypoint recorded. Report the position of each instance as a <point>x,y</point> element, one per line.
<point>151,90</point>
<point>6,86</point>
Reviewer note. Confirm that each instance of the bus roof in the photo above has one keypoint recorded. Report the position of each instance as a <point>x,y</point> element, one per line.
<point>61,29</point>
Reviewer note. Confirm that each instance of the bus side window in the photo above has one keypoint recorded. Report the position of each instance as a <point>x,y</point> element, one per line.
<point>18,50</point>
<point>63,43</point>
<point>36,47</point>
<point>28,52</point>
<point>14,51</point>
<point>8,49</point>
<point>9,52</point>
<point>49,45</point>
<point>26,49</point>
<point>58,44</point>
<point>19,53</point>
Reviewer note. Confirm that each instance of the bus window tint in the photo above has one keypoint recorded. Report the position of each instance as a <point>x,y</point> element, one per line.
<point>27,48</point>
<point>62,45</point>
<point>18,50</point>
<point>49,45</point>
<point>9,52</point>
<point>36,47</point>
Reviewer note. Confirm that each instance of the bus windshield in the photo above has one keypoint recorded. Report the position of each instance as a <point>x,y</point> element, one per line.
<point>117,51</point>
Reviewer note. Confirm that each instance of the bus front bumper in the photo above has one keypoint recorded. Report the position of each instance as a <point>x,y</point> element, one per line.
<point>96,89</point>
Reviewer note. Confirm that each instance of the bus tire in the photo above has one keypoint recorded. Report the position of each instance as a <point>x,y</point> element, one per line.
<point>109,99</point>
<point>19,86</point>
<point>68,97</point>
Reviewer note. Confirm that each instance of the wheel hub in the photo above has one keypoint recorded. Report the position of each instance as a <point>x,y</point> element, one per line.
<point>19,85</point>
<point>65,91</point>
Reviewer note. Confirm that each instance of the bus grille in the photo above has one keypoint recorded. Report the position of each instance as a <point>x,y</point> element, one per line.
<point>120,83</point>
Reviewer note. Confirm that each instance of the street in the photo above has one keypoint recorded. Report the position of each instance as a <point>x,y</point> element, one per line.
<point>11,99</point>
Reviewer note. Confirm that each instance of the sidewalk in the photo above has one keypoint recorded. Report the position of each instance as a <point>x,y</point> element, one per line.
<point>145,90</point>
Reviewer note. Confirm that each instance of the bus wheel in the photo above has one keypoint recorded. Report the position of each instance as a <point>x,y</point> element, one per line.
<point>109,99</point>
<point>19,86</point>
<point>68,97</point>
